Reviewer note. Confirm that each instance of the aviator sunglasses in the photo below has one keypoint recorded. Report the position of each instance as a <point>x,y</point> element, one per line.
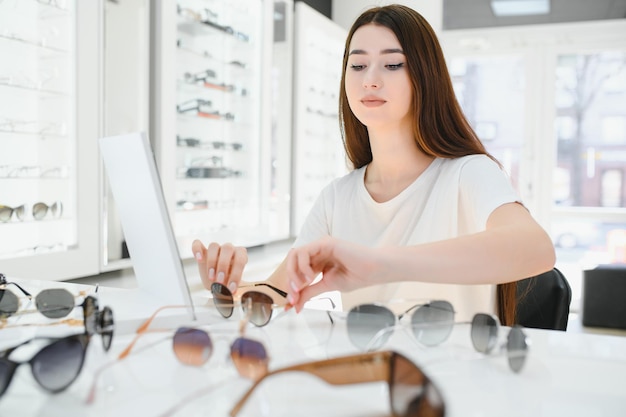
<point>57,364</point>
<point>411,392</point>
<point>260,305</point>
<point>371,325</point>
<point>53,303</point>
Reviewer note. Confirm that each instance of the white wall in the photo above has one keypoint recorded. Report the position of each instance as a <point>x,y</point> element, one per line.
<point>345,12</point>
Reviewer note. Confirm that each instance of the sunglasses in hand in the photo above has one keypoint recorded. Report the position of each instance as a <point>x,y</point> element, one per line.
<point>411,392</point>
<point>256,305</point>
<point>57,364</point>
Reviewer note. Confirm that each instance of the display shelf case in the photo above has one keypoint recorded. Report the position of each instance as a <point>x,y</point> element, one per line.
<point>44,109</point>
<point>216,139</point>
<point>318,155</point>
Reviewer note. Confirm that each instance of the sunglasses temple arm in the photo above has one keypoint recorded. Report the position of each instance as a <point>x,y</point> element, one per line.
<point>369,367</point>
<point>26,293</point>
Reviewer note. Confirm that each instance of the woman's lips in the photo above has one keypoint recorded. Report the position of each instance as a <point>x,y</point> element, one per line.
<point>373,102</point>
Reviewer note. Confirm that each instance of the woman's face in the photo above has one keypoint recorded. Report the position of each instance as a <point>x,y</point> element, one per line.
<point>377,81</point>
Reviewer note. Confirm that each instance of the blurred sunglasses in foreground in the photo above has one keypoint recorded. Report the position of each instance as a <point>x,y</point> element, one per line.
<point>411,392</point>
<point>194,347</point>
<point>57,365</point>
<point>256,305</point>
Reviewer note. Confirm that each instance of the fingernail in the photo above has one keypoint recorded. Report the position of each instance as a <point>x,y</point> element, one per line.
<point>290,299</point>
<point>232,286</point>
<point>220,277</point>
<point>308,279</point>
<point>198,256</point>
<point>294,286</point>
<point>212,274</point>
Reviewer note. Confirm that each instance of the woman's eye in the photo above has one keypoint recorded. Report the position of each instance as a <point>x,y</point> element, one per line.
<point>394,67</point>
<point>357,67</point>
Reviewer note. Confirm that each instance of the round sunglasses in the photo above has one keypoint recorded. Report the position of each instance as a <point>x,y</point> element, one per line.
<point>257,306</point>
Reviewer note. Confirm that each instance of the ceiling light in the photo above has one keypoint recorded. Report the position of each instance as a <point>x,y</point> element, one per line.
<point>520,7</point>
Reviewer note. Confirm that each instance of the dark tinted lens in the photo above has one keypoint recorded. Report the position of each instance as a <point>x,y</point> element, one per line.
<point>90,309</point>
<point>433,322</point>
<point>57,365</point>
<point>9,303</point>
<point>55,303</point>
<point>411,392</point>
<point>250,358</point>
<point>192,346</point>
<point>365,323</point>
<point>260,307</point>
<point>39,211</point>
<point>7,368</point>
<point>517,348</point>
<point>107,325</point>
<point>223,299</point>
<point>484,332</point>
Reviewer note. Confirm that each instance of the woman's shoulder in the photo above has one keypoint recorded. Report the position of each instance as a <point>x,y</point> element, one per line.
<point>473,162</point>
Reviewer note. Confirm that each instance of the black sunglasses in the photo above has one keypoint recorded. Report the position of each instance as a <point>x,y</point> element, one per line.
<point>57,365</point>
<point>260,304</point>
<point>53,303</point>
<point>411,392</point>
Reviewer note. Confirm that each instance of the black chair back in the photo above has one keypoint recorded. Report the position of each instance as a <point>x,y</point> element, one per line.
<point>543,301</point>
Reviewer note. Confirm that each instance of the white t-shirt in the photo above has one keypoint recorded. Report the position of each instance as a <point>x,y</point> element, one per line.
<point>452,197</point>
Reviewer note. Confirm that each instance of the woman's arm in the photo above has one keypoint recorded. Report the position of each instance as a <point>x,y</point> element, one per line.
<point>513,246</point>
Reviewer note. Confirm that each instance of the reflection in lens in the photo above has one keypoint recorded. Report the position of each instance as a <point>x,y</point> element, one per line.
<point>223,299</point>
<point>57,365</point>
<point>484,332</point>
<point>260,305</point>
<point>517,348</point>
<point>192,346</point>
<point>432,323</point>
<point>9,303</point>
<point>412,394</point>
<point>365,322</point>
<point>250,358</point>
<point>55,303</point>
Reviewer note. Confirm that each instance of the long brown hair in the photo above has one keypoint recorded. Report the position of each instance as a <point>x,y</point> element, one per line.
<point>440,128</point>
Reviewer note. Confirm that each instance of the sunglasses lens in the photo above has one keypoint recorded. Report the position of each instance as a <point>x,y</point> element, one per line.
<point>57,209</point>
<point>260,306</point>
<point>107,325</point>
<point>55,303</point>
<point>517,348</point>
<point>9,303</point>
<point>7,369</point>
<point>5,213</point>
<point>365,323</point>
<point>57,365</point>
<point>19,212</point>
<point>39,211</point>
<point>412,394</point>
<point>192,346</point>
<point>249,357</point>
<point>223,299</point>
<point>90,309</point>
<point>432,323</point>
<point>484,332</point>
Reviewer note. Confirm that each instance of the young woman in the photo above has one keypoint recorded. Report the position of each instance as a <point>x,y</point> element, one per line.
<point>425,204</point>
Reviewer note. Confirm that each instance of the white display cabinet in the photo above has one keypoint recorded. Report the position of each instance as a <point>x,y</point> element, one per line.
<point>218,149</point>
<point>318,153</point>
<point>49,198</point>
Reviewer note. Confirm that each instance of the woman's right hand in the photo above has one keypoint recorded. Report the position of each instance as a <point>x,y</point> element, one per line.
<point>220,263</point>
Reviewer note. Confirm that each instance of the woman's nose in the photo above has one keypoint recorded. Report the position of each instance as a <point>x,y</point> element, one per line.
<point>372,79</point>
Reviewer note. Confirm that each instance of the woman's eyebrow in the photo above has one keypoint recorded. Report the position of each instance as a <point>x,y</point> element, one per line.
<point>384,51</point>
